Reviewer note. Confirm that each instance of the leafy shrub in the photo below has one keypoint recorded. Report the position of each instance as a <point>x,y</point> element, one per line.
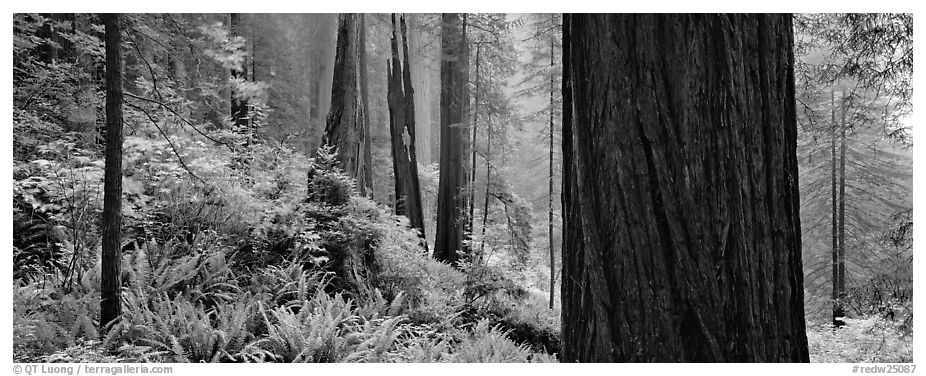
<point>427,342</point>
<point>327,183</point>
<point>490,345</point>
<point>284,233</point>
<point>202,276</point>
<point>287,284</point>
<point>323,329</point>
<point>45,320</point>
<point>157,328</point>
<point>54,210</point>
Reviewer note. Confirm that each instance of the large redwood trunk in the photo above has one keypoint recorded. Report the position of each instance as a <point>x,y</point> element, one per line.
<point>453,197</point>
<point>345,128</point>
<point>680,196</point>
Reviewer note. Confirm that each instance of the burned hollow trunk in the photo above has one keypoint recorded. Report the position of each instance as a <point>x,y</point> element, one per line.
<point>402,131</point>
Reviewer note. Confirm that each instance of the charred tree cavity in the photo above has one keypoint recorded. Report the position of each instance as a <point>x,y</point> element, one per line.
<point>680,196</point>
<point>401,98</point>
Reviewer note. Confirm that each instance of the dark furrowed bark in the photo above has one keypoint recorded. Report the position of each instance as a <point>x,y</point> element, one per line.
<point>111,260</point>
<point>345,127</point>
<point>681,227</point>
<point>452,200</point>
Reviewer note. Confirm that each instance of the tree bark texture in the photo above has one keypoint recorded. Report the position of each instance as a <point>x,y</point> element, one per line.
<point>680,196</point>
<point>111,260</point>
<point>345,128</point>
<point>453,196</point>
<point>402,131</point>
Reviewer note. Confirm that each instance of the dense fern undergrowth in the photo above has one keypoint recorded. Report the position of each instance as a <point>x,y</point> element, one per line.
<point>265,255</point>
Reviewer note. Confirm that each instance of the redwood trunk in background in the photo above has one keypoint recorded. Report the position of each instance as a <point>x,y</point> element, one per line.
<point>364,96</point>
<point>402,131</point>
<point>680,197</point>
<point>345,128</point>
<point>452,195</point>
<point>325,70</point>
<point>420,64</point>
<point>239,105</point>
<point>111,260</point>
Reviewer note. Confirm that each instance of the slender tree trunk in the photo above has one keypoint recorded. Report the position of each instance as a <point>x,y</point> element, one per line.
<point>453,196</point>
<point>253,49</point>
<point>472,175</point>
<point>837,304</point>
<point>842,205</point>
<point>485,202</point>
<point>681,226</point>
<point>550,203</point>
<point>345,128</point>
<point>364,95</point>
<point>239,105</point>
<point>488,158</point>
<point>111,260</point>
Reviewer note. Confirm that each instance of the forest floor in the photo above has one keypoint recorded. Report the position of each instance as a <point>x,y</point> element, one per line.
<point>867,340</point>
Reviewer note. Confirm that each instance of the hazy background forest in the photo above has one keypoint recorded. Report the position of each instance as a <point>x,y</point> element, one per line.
<point>241,242</point>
